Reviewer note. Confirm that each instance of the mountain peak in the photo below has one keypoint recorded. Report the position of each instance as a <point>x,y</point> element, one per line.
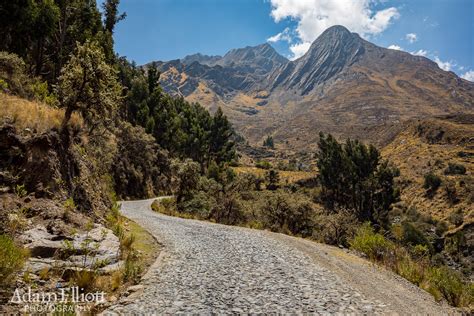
<point>336,29</point>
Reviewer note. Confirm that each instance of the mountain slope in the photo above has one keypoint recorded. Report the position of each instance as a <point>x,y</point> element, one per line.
<point>341,85</point>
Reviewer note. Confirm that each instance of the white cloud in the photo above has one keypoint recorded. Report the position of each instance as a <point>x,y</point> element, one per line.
<point>315,16</point>
<point>469,75</point>
<point>282,36</point>
<point>299,50</point>
<point>420,52</point>
<point>395,47</point>
<point>445,65</point>
<point>411,37</point>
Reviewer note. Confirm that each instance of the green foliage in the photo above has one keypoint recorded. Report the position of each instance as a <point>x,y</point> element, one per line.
<point>187,178</point>
<point>374,245</point>
<point>12,259</point>
<point>282,212</point>
<point>89,86</point>
<point>455,168</point>
<point>268,142</point>
<point>20,190</point>
<point>413,236</point>
<point>353,176</point>
<point>448,283</point>
<point>44,33</point>
<point>185,130</point>
<point>432,183</point>
<point>141,167</point>
<point>263,164</point>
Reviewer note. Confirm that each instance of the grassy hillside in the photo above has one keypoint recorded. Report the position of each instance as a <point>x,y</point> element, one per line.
<point>431,146</point>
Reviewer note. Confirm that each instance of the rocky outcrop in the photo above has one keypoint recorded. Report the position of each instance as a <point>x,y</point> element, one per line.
<point>98,247</point>
<point>242,69</point>
<point>48,166</point>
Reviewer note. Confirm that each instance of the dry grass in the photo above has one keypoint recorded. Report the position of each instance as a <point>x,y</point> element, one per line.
<point>415,158</point>
<point>35,116</point>
<point>285,176</point>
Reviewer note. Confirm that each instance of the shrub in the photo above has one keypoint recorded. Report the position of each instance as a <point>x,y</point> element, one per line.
<point>455,168</point>
<point>432,183</point>
<point>20,190</point>
<point>374,245</point>
<point>268,142</point>
<point>447,283</point>
<point>132,269</point>
<point>457,217</point>
<point>273,178</point>
<point>412,236</point>
<point>408,268</point>
<point>451,194</point>
<point>12,259</point>
<point>283,213</point>
<point>336,228</point>
<point>84,279</point>
<point>263,164</point>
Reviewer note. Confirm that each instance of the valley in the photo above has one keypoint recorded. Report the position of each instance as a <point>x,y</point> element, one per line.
<point>338,179</point>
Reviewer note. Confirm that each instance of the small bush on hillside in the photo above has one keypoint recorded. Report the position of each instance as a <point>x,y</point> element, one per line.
<point>455,168</point>
<point>283,213</point>
<point>12,259</point>
<point>412,236</point>
<point>374,245</point>
<point>405,266</point>
<point>451,193</point>
<point>272,178</point>
<point>336,228</point>
<point>432,183</point>
<point>268,142</point>
<point>447,283</point>
<point>457,217</point>
<point>263,164</point>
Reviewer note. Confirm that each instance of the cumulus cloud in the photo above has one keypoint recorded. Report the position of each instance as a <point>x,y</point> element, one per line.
<point>282,36</point>
<point>395,47</point>
<point>411,37</point>
<point>445,65</point>
<point>469,75</point>
<point>315,16</point>
<point>420,52</point>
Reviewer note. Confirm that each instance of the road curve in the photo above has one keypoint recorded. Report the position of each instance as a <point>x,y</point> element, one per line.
<point>210,268</point>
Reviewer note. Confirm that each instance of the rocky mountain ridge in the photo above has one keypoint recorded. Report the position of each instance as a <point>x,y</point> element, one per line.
<point>341,85</point>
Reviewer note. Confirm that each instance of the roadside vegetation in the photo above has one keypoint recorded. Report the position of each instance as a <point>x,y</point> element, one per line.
<point>90,127</point>
<point>353,202</point>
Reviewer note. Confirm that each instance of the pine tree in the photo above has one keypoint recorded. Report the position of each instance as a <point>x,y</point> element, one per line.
<point>222,148</point>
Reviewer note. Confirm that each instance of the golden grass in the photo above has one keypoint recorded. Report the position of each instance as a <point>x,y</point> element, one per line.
<point>415,158</point>
<point>285,176</point>
<point>37,117</point>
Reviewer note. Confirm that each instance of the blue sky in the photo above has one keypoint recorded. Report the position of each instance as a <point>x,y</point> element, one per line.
<point>442,30</point>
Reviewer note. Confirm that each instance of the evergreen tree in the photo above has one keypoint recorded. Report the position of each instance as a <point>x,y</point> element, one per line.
<point>222,148</point>
<point>353,176</point>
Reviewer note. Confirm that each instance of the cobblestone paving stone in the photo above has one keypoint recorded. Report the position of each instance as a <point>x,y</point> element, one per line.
<point>209,268</point>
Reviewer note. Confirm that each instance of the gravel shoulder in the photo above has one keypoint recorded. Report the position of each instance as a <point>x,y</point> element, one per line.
<point>211,268</point>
